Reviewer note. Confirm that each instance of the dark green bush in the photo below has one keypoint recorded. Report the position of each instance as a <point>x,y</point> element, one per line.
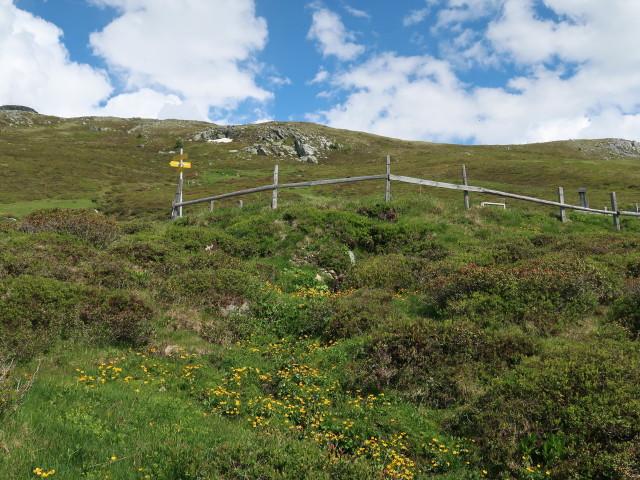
<point>633,267</point>
<point>116,316</point>
<point>117,274</point>
<point>585,398</point>
<point>625,310</point>
<point>90,227</point>
<point>359,312</point>
<point>437,363</point>
<point>34,312</point>
<point>143,252</point>
<point>388,272</point>
<point>196,239</point>
<point>215,288</point>
<point>538,293</point>
<point>52,255</point>
<point>331,255</point>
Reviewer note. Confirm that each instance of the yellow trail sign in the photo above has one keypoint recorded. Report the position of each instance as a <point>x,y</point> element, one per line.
<point>180,164</point>
<point>182,156</point>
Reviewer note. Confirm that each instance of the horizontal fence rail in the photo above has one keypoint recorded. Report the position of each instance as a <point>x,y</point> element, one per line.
<point>465,188</point>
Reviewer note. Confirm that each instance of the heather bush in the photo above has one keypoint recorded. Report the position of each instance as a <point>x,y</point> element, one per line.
<point>116,317</point>
<point>117,274</point>
<point>584,398</point>
<point>388,272</point>
<point>213,288</point>
<point>46,254</point>
<point>331,255</point>
<point>143,252</point>
<point>437,363</point>
<point>625,310</point>
<point>537,293</point>
<point>196,238</point>
<point>359,312</point>
<point>34,312</point>
<point>90,227</point>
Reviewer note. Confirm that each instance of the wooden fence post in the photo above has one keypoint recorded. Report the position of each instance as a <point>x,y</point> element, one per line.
<point>636,205</point>
<point>274,197</point>
<point>466,192</point>
<point>387,194</point>
<point>211,206</point>
<point>582,193</point>
<point>614,207</point>
<point>240,203</point>
<point>563,211</point>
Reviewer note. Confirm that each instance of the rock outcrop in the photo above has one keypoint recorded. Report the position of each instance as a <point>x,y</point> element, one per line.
<point>272,140</point>
<point>610,148</point>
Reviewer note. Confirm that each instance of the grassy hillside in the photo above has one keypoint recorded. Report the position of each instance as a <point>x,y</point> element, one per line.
<point>121,166</point>
<point>335,337</point>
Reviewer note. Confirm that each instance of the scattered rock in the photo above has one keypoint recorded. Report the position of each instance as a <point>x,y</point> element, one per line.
<point>610,148</point>
<point>13,118</point>
<point>270,140</point>
<point>303,149</point>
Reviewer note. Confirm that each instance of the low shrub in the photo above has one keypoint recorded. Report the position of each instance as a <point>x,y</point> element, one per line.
<point>359,312</point>
<point>117,274</point>
<point>34,312</point>
<point>574,411</point>
<point>213,288</point>
<point>331,255</point>
<point>116,317</point>
<point>387,272</point>
<point>538,293</point>
<point>625,310</point>
<point>46,254</point>
<point>90,227</point>
<point>436,363</point>
<point>143,252</point>
<point>196,239</point>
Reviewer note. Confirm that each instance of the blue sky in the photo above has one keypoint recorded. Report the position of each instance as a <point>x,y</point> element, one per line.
<point>457,71</point>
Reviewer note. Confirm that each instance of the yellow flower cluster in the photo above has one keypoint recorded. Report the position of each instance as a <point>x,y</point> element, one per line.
<point>41,473</point>
<point>302,398</point>
<point>141,369</point>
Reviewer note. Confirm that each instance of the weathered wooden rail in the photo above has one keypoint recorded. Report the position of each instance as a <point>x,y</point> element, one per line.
<point>389,177</point>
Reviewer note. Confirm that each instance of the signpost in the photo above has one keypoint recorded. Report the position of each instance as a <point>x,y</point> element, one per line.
<point>178,163</point>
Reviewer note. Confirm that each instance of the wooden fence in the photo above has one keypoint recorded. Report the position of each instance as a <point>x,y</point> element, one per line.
<point>389,177</point>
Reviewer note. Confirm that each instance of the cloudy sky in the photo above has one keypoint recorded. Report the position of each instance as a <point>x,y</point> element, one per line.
<point>457,71</point>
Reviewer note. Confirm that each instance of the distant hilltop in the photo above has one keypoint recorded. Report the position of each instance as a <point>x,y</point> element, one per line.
<point>18,107</point>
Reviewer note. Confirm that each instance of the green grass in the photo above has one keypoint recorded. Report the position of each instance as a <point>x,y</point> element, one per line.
<point>244,343</point>
<point>20,209</point>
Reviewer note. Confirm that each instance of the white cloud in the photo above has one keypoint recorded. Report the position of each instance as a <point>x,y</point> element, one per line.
<point>577,76</point>
<point>331,35</point>
<point>148,103</point>
<point>37,71</point>
<point>415,16</point>
<point>357,13</point>
<point>320,77</point>
<point>174,59</point>
<point>200,50</point>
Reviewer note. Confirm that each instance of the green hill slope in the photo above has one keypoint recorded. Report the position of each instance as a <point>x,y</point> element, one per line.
<point>352,337</point>
<point>122,165</point>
